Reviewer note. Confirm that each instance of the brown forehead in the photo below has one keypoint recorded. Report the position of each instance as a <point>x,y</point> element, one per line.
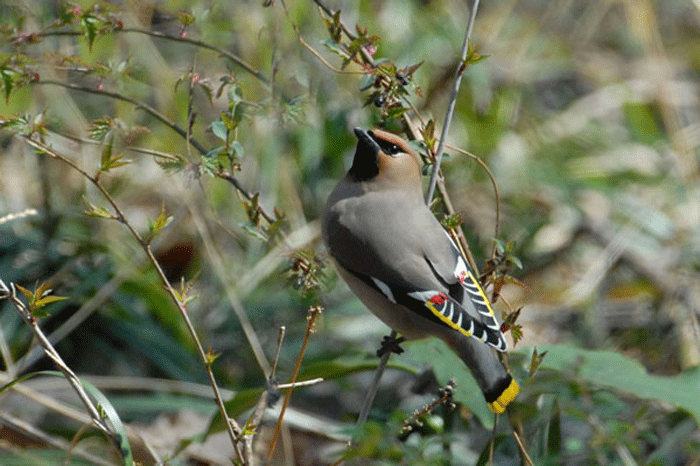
<point>394,139</point>
<point>389,164</point>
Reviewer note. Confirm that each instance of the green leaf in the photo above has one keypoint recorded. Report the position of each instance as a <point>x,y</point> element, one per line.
<point>615,371</point>
<point>155,226</point>
<point>251,229</point>
<point>334,47</point>
<point>90,25</point>
<point>237,149</point>
<point>111,414</point>
<point>554,431</point>
<point>27,294</point>
<point>452,221</point>
<point>235,95</point>
<point>536,361</point>
<point>7,81</point>
<point>218,127</point>
<point>107,152</point>
<point>97,212</point>
<point>367,81</point>
<point>644,122</point>
<point>48,300</point>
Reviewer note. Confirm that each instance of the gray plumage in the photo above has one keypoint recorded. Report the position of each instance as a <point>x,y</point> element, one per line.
<point>399,261</point>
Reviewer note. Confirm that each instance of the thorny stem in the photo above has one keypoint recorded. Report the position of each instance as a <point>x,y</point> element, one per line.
<point>451,105</point>
<point>233,429</point>
<point>314,311</point>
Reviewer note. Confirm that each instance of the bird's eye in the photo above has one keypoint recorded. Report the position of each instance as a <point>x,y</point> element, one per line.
<point>390,148</point>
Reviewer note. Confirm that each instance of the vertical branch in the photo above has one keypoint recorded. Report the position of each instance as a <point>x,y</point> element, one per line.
<point>374,386</point>
<point>314,311</point>
<point>451,105</point>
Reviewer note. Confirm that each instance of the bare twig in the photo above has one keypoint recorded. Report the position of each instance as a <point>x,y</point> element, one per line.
<point>313,51</point>
<point>523,451</point>
<point>374,386</point>
<point>493,183</point>
<point>138,104</point>
<point>314,311</point>
<point>223,52</point>
<point>271,387</point>
<point>451,105</point>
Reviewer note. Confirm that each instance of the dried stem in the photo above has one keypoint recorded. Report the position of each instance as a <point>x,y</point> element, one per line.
<point>314,311</point>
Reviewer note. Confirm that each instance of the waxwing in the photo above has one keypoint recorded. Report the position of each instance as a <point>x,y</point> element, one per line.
<point>400,262</point>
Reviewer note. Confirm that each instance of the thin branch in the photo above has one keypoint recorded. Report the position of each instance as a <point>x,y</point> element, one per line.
<point>223,52</point>
<point>493,183</point>
<point>73,380</point>
<point>451,105</point>
<point>314,311</point>
<point>233,429</point>
<point>523,452</point>
<point>224,175</point>
<point>145,107</point>
<point>271,387</point>
<point>314,52</point>
<point>374,386</point>
<point>231,56</point>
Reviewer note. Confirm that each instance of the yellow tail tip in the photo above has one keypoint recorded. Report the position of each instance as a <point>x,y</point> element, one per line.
<point>504,399</point>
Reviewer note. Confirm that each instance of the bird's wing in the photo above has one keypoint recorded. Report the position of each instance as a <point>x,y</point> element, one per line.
<point>406,255</point>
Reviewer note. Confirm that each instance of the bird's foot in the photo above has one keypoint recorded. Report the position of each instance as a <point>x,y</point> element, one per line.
<point>390,345</point>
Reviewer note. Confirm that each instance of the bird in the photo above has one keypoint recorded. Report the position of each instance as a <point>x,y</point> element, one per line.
<point>402,264</point>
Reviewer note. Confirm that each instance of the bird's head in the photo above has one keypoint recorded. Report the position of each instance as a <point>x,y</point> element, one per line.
<point>385,158</point>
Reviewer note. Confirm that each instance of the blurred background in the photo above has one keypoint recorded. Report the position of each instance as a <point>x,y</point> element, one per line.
<point>586,112</point>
